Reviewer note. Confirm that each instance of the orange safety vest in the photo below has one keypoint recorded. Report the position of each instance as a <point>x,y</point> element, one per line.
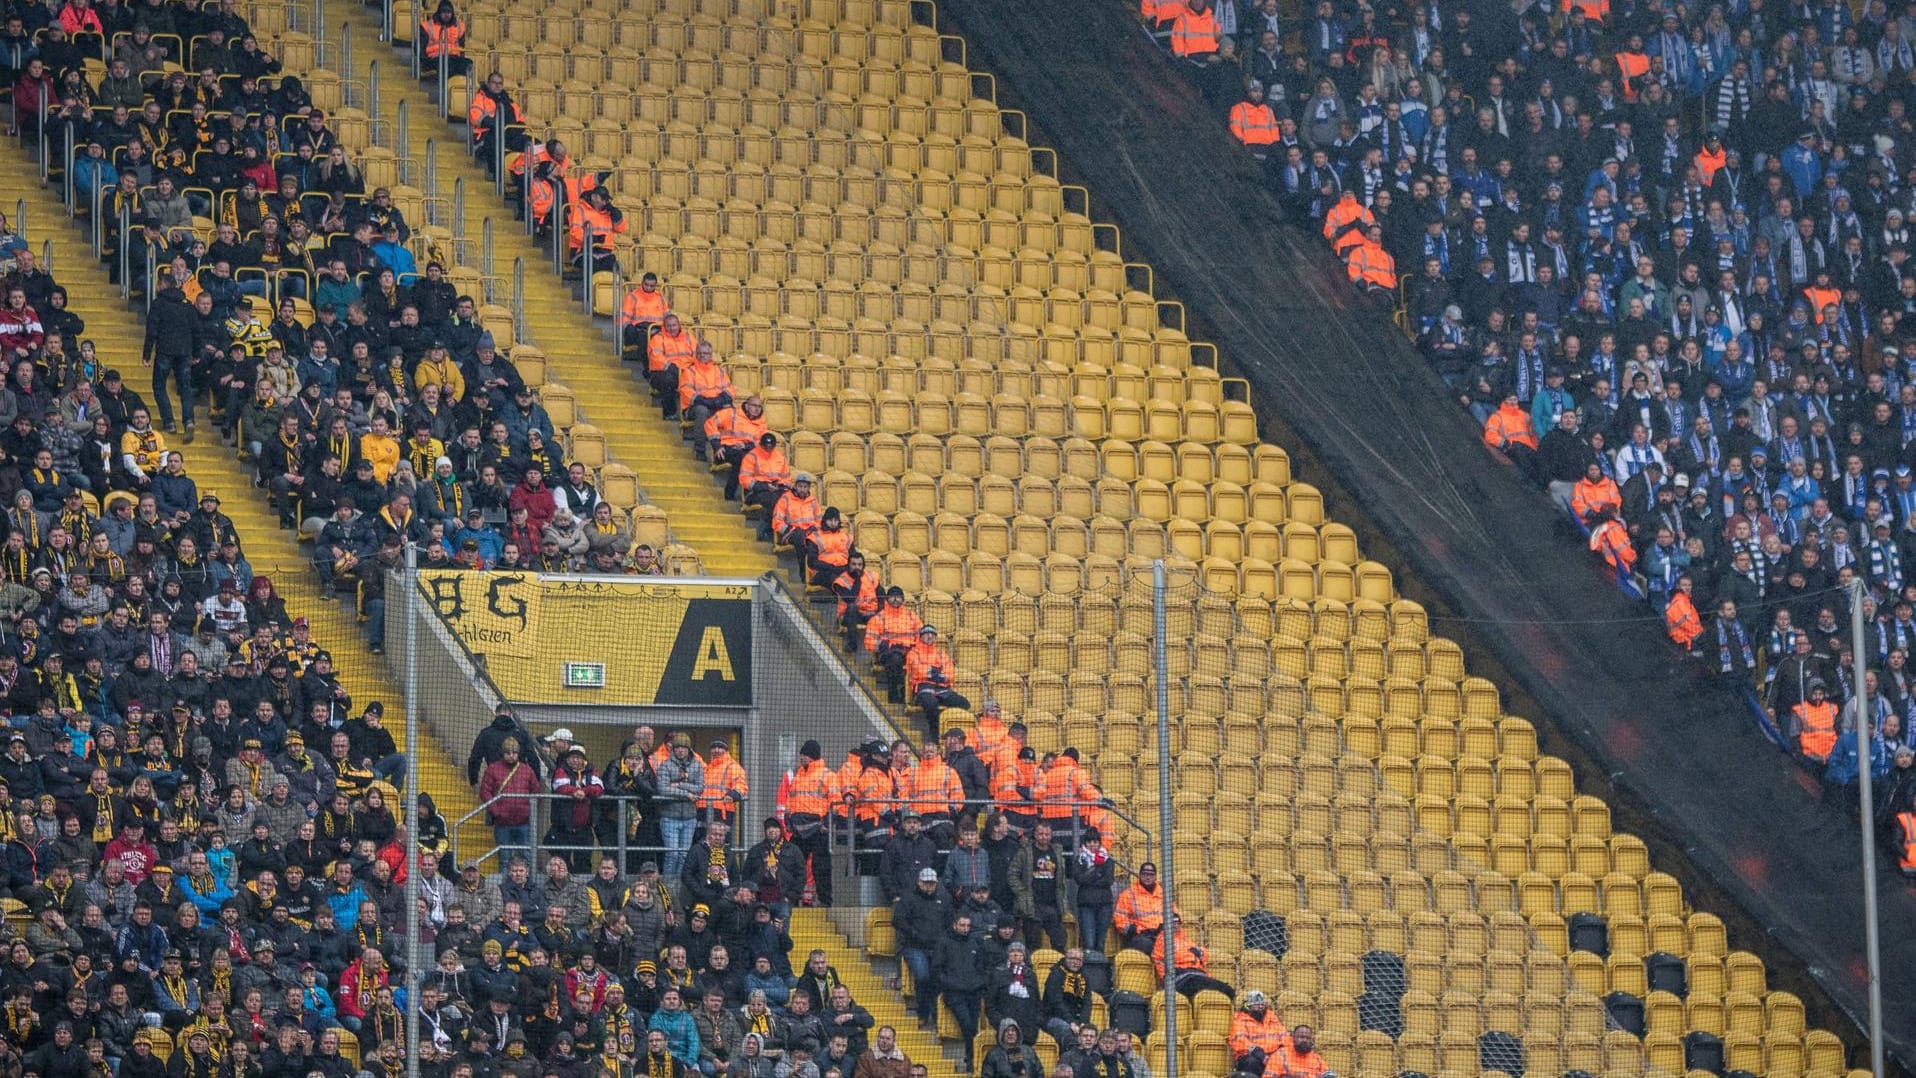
<point>1138,909</point>
<point>1289,1063</point>
<point>1254,123</point>
<point>1820,298</point>
<point>865,599</point>
<point>763,466</point>
<point>1058,786</point>
<point>873,794</point>
<point>1248,1032</point>
<point>932,788</point>
<point>542,192</point>
<point>733,428</point>
<point>814,790</point>
<point>834,547</point>
<point>722,775</point>
<point>438,36</point>
<point>1508,425</point>
<point>893,625</point>
<point>1588,496</point>
<point>1183,951</point>
<point>1631,65</point>
<point>1594,10</point>
<point>677,349</point>
<point>1194,33</point>
<point>1817,735</point>
<point>1370,264</point>
<point>1345,223</point>
<point>1006,781</point>
<point>1707,163</point>
<point>702,380</point>
<point>1681,618</point>
<point>795,513</point>
<point>1907,822</point>
<point>602,224</point>
<point>643,306</point>
<point>1613,542</point>
<point>483,110</point>
<point>920,660</point>
<point>1159,11</point>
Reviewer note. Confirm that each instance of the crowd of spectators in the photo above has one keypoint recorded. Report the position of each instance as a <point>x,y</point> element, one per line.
<point>288,302</point>
<point>1661,252</point>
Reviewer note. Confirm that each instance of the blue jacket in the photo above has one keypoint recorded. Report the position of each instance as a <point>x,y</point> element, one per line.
<point>210,902</point>
<point>1842,769</point>
<point>346,907</point>
<point>681,1035</point>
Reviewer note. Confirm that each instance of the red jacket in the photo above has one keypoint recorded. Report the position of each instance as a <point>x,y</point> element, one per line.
<point>536,501</point>
<point>501,779</point>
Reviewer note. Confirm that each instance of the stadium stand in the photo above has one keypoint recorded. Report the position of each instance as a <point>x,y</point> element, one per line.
<point>1017,426</point>
<point>1762,194</point>
<point>1357,671</point>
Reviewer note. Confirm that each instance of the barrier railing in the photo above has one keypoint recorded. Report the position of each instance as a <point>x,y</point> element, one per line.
<point>519,327</point>
<point>612,832</point>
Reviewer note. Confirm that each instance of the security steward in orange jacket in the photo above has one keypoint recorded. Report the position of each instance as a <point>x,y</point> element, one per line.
<point>1371,268</point>
<point>831,548</point>
<point>928,670</point>
<point>797,516</point>
<point>491,109</point>
<point>1015,785</point>
<point>1257,1033</point>
<point>546,170</point>
<point>1253,122</point>
<point>808,804</point>
<point>1813,724</point>
<point>874,799</point>
<point>1139,913</point>
<point>596,213</point>
<point>445,34</point>
<point>890,634</point>
<point>1904,825</point>
<point>764,475</point>
<point>730,434</point>
<point>726,786</point>
<point>1680,618</point>
<point>641,311</point>
<point>932,790</point>
<point>857,591</point>
<point>669,351</point>
<point>1344,225</point>
<point>704,388</point>
<point>1060,791</point>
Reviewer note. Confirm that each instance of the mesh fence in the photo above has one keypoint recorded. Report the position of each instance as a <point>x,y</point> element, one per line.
<point>1362,834</point>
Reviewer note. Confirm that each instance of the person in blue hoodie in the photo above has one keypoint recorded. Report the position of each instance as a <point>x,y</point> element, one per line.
<point>673,1020</point>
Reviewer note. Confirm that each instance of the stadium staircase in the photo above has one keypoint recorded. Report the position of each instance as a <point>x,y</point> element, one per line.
<point>1037,429</point>
<point>118,330</point>
<point>599,395</point>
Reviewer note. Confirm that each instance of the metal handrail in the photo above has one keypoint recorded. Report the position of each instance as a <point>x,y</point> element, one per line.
<point>345,48</point>
<point>46,256</point>
<point>519,299</point>
<point>99,224</point>
<point>540,828</point>
<point>124,253</point>
<point>445,74</point>
<point>403,141</point>
<point>386,29</point>
<point>66,178</point>
<point>372,96</point>
<point>431,177</point>
<point>485,248</point>
<point>588,262</point>
<point>20,216</point>
<point>458,223</point>
<point>45,113</point>
<point>618,309</point>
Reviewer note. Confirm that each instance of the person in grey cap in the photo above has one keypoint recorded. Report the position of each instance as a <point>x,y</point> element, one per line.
<point>920,916</point>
